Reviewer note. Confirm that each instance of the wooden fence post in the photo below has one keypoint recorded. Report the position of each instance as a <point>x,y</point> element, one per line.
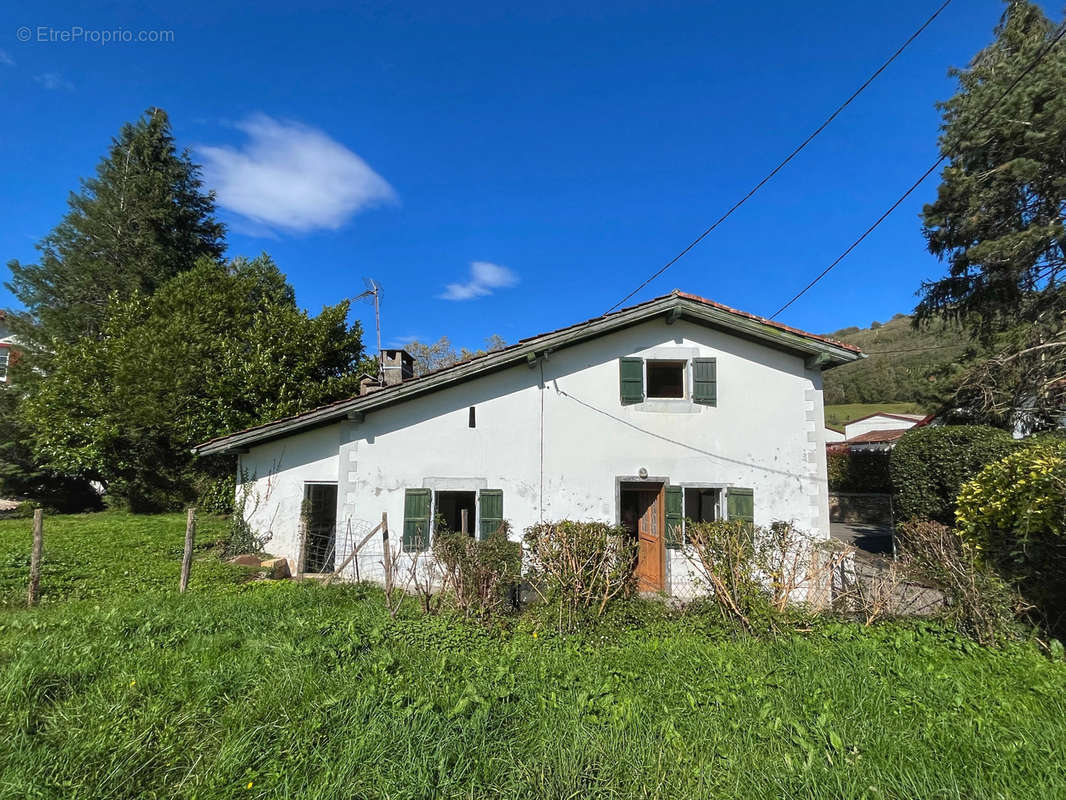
<point>186,558</point>
<point>388,555</point>
<point>34,593</point>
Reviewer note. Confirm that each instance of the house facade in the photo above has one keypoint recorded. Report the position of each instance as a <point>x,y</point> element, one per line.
<point>676,408</point>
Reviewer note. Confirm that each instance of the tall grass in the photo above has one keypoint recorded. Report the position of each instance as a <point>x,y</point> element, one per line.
<point>118,687</point>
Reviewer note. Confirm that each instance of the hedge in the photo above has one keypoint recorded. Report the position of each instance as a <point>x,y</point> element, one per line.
<point>859,471</point>
<point>929,466</point>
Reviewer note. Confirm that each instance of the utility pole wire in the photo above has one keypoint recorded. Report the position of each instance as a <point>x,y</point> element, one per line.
<point>788,158</point>
<point>928,172</point>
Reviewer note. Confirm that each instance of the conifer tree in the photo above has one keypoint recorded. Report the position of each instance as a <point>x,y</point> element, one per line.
<point>142,219</point>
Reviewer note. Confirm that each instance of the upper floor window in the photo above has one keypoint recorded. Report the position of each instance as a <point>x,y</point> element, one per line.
<point>5,358</point>
<point>666,378</point>
<point>694,379</point>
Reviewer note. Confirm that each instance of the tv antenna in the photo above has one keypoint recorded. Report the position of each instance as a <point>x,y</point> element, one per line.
<point>373,289</point>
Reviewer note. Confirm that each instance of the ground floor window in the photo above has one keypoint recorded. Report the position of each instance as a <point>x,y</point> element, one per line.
<point>455,510</point>
<point>320,527</point>
<point>477,511</point>
<point>703,505</point>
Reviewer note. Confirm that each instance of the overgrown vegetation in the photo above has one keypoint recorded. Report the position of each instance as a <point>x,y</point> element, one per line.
<point>119,687</point>
<point>582,566</point>
<point>929,466</point>
<point>981,603</point>
<point>481,575</point>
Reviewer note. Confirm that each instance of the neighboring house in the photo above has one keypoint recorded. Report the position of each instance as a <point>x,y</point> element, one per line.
<point>833,435</point>
<point>880,421</point>
<point>677,407</point>
<point>881,431</point>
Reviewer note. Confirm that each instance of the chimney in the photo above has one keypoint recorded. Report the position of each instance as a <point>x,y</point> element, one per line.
<point>398,366</point>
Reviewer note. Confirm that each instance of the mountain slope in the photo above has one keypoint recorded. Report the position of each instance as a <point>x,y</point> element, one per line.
<point>903,364</point>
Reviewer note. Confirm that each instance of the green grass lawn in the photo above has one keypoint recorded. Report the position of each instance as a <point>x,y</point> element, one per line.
<point>118,687</point>
<point>838,416</point>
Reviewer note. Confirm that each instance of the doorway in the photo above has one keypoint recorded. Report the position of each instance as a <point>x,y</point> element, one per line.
<point>320,519</point>
<point>642,513</point>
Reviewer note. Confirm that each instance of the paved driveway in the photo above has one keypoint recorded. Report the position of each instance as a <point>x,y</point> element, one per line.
<point>873,538</point>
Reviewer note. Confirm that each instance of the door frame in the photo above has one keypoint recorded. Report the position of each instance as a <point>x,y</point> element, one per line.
<point>635,483</point>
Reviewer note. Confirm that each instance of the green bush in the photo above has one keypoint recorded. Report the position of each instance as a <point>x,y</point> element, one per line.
<point>481,574</point>
<point>859,471</point>
<point>929,465</point>
<point>1014,512</point>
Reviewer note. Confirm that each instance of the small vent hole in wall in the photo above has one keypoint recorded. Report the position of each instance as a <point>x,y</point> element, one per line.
<point>473,418</point>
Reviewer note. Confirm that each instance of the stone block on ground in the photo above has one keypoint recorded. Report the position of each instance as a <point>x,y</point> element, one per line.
<point>277,568</point>
<point>246,560</point>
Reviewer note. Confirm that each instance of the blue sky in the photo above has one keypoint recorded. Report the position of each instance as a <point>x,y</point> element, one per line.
<point>512,168</point>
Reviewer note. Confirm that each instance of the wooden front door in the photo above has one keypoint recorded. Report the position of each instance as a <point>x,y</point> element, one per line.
<point>644,508</point>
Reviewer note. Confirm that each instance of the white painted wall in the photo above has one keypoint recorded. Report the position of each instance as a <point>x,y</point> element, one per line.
<point>271,478</point>
<point>878,422</point>
<point>832,436</point>
<point>556,438</point>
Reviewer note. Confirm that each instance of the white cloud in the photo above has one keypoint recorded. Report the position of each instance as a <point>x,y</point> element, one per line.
<point>485,278</point>
<point>292,177</point>
<point>53,81</point>
<point>6,59</point>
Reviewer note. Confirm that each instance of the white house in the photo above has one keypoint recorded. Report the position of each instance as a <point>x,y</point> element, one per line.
<point>880,421</point>
<point>677,407</point>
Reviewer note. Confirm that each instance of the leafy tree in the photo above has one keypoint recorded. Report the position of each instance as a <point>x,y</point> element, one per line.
<point>441,353</point>
<point>140,221</point>
<point>998,220</point>
<point>216,349</point>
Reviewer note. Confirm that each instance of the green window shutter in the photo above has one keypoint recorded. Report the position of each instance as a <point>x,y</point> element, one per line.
<point>490,510</point>
<point>705,381</point>
<point>417,506</point>
<point>740,504</point>
<point>631,380</point>
<point>674,500</point>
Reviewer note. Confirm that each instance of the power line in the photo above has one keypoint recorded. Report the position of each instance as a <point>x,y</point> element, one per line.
<point>927,173</point>
<point>790,156</point>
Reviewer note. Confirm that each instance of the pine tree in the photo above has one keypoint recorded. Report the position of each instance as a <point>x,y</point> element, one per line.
<point>999,221</point>
<point>143,219</point>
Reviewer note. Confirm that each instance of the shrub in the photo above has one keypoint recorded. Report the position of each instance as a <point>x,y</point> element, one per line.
<point>481,574</point>
<point>859,471</point>
<point>1014,513</point>
<point>981,604</point>
<point>724,554</point>
<point>582,565</point>
<point>929,465</point>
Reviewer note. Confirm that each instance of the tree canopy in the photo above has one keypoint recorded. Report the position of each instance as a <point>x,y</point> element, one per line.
<point>998,220</point>
<point>142,219</point>
<point>215,349</point>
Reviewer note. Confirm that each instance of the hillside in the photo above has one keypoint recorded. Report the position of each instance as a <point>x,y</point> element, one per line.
<point>903,364</point>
